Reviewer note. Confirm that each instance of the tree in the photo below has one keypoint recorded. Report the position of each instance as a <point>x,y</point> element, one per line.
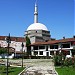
<point>3,50</point>
<point>28,42</point>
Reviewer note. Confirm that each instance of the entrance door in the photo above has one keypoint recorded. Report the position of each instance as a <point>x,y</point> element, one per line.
<point>47,53</point>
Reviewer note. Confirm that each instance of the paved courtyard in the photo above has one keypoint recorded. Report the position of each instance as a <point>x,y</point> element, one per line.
<point>39,67</point>
<point>36,66</point>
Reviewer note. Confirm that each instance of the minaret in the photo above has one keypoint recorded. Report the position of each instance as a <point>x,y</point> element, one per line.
<point>36,13</point>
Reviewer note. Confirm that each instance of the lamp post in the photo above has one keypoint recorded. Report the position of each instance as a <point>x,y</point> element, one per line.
<point>22,52</point>
<point>8,40</point>
<point>61,47</point>
<point>54,51</point>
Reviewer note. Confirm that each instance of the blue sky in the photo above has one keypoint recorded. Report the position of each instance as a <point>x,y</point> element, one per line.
<point>57,15</point>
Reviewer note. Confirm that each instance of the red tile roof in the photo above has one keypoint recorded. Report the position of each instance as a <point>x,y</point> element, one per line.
<point>61,41</point>
<point>55,41</point>
<point>2,37</point>
<point>17,39</point>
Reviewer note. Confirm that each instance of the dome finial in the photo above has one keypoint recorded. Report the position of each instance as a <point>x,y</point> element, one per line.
<point>36,13</point>
<point>36,3</point>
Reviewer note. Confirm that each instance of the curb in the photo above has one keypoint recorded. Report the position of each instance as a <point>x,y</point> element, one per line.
<point>23,70</point>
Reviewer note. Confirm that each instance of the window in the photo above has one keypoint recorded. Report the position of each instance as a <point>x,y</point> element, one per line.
<point>55,46</point>
<point>35,53</point>
<point>41,53</point>
<point>41,47</point>
<point>35,47</point>
<point>51,46</point>
<point>51,52</point>
<point>65,45</point>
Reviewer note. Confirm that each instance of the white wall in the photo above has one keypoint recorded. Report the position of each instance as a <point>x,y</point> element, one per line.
<point>16,45</point>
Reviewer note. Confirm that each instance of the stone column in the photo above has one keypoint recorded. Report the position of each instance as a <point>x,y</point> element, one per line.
<point>54,52</point>
<point>38,53</point>
<point>32,53</point>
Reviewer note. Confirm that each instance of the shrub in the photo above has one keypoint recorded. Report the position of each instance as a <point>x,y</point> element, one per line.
<point>60,60</point>
<point>65,62</point>
<point>57,60</point>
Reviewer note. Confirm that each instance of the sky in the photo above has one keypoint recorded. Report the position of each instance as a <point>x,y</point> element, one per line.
<point>56,15</point>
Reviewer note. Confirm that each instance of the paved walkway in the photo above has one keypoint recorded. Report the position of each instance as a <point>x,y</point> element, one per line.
<point>35,66</point>
<point>40,67</point>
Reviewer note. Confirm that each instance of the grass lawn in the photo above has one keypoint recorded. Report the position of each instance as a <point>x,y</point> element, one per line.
<point>12,70</point>
<point>66,71</point>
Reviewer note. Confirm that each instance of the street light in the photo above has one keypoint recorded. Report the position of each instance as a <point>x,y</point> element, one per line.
<point>61,47</point>
<point>8,40</point>
<point>22,52</point>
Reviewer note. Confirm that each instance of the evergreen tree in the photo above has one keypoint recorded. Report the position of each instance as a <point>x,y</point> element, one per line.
<point>28,42</point>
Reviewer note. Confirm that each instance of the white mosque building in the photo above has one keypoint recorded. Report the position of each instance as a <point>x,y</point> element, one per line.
<point>37,32</point>
<point>41,42</point>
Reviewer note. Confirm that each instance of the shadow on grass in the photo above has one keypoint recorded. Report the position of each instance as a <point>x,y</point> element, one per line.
<point>8,72</point>
<point>11,70</point>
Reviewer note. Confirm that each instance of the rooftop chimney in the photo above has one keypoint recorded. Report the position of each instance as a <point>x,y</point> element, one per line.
<point>74,36</point>
<point>64,37</point>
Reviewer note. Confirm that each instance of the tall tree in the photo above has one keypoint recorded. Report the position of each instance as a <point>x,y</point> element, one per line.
<point>28,42</point>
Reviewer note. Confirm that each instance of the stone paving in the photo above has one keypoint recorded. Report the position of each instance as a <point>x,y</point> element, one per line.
<point>40,70</point>
<point>40,67</point>
<point>36,66</point>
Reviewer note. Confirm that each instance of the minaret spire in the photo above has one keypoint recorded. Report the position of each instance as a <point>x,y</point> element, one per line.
<point>36,13</point>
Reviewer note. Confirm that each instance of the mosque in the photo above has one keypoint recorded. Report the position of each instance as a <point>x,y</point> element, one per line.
<point>41,42</point>
<point>37,32</point>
